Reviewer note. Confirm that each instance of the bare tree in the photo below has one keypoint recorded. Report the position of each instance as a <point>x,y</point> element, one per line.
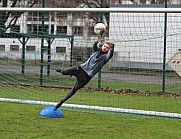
<point>150,1</point>
<point>83,4</point>
<point>12,17</point>
<point>160,1</point>
<point>93,4</point>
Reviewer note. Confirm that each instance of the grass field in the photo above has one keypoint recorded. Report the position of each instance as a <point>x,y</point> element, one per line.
<point>22,121</point>
<point>96,98</point>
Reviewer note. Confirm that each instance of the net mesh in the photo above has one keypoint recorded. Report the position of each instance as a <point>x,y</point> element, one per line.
<point>142,75</point>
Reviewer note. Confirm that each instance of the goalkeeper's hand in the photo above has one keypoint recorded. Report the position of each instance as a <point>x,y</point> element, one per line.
<point>111,45</point>
<point>100,39</point>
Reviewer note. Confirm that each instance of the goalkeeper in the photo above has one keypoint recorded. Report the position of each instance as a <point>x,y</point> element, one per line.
<point>101,54</point>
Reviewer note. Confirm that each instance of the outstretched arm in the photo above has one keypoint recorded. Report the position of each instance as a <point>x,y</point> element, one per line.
<point>110,53</point>
<point>98,43</point>
<point>95,45</point>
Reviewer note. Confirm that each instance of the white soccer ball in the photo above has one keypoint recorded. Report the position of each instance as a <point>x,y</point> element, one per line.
<point>99,29</point>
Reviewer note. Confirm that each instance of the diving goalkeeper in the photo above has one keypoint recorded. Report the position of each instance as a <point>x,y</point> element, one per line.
<point>101,54</point>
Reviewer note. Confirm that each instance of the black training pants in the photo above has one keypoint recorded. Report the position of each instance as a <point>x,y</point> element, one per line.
<point>82,79</point>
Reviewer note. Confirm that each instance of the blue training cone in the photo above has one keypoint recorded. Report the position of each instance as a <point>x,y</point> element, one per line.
<point>51,112</point>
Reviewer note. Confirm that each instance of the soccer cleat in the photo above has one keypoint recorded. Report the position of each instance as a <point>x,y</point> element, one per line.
<point>59,70</point>
<point>59,104</point>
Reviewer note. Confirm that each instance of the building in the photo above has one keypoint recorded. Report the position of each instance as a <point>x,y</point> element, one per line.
<point>58,25</point>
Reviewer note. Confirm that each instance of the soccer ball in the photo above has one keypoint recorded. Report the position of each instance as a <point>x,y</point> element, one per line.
<point>99,29</point>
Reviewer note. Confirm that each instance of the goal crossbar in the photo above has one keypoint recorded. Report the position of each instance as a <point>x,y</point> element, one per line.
<point>124,10</point>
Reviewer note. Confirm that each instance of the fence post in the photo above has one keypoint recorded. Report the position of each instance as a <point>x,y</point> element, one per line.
<point>165,48</point>
<point>101,20</point>
<point>42,44</point>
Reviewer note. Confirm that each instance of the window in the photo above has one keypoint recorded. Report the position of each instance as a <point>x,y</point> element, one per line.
<point>60,49</point>
<point>30,48</point>
<point>15,28</point>
<point>78,30</point>
<point>33,29</point>
<point>37,29</point>
<point>91,31</point>
<point>14,48</point>
<point>61,29</point>
<point>2,48</point>
<point>52,29</point>
<point>37,16</point>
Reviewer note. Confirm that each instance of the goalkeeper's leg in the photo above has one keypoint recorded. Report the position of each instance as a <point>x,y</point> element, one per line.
<point>69,94</point>
<point>82,80</point>
<point>66,97</point>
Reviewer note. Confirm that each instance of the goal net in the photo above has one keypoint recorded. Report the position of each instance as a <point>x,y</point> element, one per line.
<point>143,77</point>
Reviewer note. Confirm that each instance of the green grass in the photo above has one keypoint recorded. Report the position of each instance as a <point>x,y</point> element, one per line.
<point>96,98</point>
<point>22,121</point>
<point>65,81</point>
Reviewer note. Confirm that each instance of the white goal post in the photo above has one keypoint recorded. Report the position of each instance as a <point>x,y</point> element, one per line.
<point>96,108</point>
